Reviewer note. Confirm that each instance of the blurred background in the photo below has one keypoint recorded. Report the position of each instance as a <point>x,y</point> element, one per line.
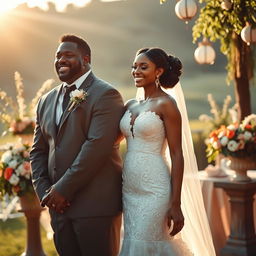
<point>115,31</point>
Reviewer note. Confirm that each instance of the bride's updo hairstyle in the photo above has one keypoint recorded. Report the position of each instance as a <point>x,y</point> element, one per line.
<point>172,66</point>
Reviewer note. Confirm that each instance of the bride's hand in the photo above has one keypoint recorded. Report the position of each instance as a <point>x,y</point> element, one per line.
<point>175,215</point>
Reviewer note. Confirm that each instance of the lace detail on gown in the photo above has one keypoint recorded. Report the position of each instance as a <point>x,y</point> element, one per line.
<point>146,189</point>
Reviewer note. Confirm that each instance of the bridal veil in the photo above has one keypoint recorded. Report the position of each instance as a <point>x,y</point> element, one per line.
<point>196,232</point>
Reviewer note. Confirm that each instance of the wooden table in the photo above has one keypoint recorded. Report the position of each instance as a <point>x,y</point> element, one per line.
<point>232,224</point>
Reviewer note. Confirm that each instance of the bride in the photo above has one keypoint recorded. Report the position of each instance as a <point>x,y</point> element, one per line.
<point>156,197</point>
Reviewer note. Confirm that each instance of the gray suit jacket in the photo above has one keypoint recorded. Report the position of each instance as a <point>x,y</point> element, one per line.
<point>81,160</point>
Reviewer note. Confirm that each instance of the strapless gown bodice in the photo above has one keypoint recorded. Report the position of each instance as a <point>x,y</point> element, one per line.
<point>145,134</point>
<point>147,189</point>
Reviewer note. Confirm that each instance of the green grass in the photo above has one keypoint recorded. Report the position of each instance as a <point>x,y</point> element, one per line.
<point>13,238</point>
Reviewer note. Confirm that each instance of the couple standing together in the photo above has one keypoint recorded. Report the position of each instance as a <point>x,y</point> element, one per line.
<point>77,170</point>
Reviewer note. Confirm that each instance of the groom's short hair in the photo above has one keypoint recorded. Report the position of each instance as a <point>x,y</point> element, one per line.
<point>81,43</point>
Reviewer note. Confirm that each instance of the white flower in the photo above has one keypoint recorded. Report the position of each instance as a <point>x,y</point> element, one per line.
<point>247,135</point>
<point>216,144</point>
<point>77,94</point>
<point>20,170</point>
<point>18,147</point>
<point>221,134</point>
<point>249,119</point>
<point>211,140</point>
<point>233,114</point>
<point>232,146</point>
<point>76,97</point>
<point>231,127</point>
<point>24,170</point>
<point>14,180</point>
<point>224,141</point>
<point>13,163</point>
<point>6,156</point>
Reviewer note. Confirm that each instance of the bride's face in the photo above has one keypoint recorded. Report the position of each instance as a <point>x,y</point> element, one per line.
<point>144,71</point>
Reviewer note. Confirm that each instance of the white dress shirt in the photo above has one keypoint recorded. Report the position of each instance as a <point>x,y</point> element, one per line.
<point>78,83</point>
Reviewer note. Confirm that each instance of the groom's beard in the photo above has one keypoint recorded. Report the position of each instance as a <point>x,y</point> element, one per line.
<point>73,71</point>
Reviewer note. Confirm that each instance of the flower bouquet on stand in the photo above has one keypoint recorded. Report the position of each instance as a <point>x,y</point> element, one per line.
<point>15,171</point>
<point>237,142</point>
<point>15,180</point>
<point>220,116</point>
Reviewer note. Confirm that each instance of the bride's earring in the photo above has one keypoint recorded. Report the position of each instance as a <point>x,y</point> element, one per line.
<point>157,82</point>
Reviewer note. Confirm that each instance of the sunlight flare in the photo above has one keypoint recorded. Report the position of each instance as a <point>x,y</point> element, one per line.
<point>60,5</point>
<point>6,6</point>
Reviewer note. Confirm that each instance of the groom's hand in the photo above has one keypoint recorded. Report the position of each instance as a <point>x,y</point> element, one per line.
<point>54,200</point>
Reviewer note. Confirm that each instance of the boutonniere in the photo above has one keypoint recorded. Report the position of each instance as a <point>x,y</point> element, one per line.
<point>76,97</point>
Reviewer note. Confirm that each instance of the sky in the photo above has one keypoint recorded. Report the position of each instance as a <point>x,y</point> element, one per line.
<point>60,5</point>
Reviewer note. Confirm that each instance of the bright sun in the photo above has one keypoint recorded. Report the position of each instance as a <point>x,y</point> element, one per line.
<point>60,5</point>
<point>7,6</point>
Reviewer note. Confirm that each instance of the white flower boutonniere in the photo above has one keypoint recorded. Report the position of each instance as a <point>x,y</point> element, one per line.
<point>76,97</point>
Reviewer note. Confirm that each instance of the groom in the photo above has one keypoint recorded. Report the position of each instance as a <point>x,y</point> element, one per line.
<point>76,167</point>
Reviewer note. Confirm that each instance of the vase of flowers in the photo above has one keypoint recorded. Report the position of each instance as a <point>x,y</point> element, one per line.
<point>238,143</point>
<point>220,115</point>
<point>15,171</point>
<point>240,166</point>
<point>15,179</point>
<point>16,115</point>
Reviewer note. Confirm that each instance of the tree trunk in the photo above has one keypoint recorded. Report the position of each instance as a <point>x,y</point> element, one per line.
<point>242,94</point>
<point>243,74</point>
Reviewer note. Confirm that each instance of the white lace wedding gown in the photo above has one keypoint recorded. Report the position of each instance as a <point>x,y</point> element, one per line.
<point>146,189</point>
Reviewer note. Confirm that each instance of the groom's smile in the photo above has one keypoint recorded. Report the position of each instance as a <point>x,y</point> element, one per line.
<point>69,62</point>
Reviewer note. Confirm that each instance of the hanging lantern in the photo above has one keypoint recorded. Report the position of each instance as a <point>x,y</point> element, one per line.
<point>248,34</point>
<point>226,5</point>
<point>204,54</point>
<point>186,9</point>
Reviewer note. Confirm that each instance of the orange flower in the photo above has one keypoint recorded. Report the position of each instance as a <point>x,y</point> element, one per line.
<point>1,173</point>
<point>8,173</point>
<point>213,134</point>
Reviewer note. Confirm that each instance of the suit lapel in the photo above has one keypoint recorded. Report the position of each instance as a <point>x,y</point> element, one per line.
<point>84,86</point>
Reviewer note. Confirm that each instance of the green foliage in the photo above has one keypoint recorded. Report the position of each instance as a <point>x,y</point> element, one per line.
<point>216,23</point>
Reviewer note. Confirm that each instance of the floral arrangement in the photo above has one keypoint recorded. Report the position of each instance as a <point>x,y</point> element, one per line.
<point>16,115</point>
<point>15,170</point>
<point>76,97</point>
<point>220,116</point>
<point>236,140</point>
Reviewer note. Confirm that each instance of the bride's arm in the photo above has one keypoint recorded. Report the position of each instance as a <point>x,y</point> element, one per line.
<point>172,122</point>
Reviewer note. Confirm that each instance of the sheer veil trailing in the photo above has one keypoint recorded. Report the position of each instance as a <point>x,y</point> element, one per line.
<point>196,232</point>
